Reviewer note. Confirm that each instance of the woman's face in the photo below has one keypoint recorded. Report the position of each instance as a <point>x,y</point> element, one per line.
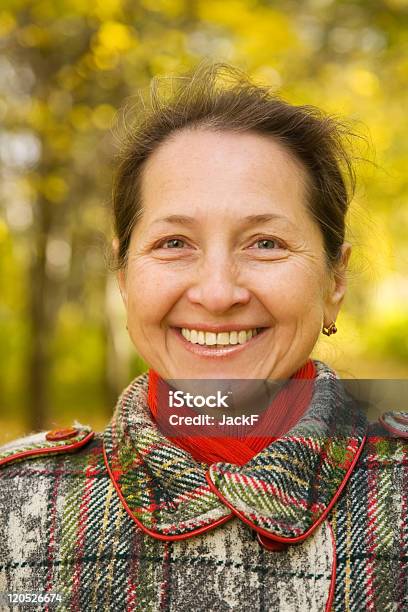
<point>226,245</point>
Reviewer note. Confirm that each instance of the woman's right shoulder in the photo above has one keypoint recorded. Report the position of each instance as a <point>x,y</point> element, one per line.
<point>43,475</point>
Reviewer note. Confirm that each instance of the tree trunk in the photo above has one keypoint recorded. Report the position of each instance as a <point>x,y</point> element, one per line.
<point>40,324</point>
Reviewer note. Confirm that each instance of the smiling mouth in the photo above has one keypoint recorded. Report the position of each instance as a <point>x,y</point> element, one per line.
<point>220,340</point>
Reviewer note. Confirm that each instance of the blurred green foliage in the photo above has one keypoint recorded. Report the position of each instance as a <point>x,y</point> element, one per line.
<point>66,67</point>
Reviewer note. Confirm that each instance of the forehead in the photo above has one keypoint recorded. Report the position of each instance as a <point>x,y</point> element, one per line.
<point>223,169</point>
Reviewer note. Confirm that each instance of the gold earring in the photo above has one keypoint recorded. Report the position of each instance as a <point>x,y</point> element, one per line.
<point>328,331</point>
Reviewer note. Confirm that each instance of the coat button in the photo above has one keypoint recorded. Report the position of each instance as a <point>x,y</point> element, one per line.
<point>61,434</point>
<point>270,544</point>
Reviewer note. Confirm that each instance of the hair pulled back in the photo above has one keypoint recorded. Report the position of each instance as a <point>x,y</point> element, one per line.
<point>217,96</point>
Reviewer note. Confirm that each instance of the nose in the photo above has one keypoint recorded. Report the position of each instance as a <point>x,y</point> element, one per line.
<point>216,286</point>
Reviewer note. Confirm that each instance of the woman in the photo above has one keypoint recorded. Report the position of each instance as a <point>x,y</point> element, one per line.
<point>229,210</point>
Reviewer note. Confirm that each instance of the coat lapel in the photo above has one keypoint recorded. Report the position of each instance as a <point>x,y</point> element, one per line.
<point>163,488</point>
<point>284,492</point>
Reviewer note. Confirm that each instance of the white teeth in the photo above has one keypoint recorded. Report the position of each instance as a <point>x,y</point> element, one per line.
<point>223,338</point>
<point>233,337</point>
<point>242,337</point>
<point>210,338</point>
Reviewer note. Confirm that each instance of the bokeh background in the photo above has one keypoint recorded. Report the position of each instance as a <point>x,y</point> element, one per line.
<point>66,68</point>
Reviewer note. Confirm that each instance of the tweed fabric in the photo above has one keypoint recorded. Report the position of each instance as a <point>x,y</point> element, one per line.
<point>283,490</point>
<point>370,524</point>
<point>37,441</point>
<point>64,530</point>
<point>162,484</point>
<point>286,488</point>
<point>70,525</point>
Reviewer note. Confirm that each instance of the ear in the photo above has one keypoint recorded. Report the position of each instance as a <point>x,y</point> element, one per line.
<point>337,286</point>
<point>121,274</point>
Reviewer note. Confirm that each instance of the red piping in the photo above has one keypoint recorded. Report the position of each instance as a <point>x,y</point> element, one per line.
<point>391,429</point>
<point>311,528</point>
<point>155,534</point>
<point>49,449</point>
<point>223,520</point>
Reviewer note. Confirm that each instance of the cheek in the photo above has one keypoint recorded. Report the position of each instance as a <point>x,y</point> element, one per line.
<point>151,293</point>
<point>293,292</point>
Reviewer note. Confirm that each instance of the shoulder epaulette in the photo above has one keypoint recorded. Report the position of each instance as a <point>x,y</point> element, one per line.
<point>68,440</point>
<point>396,423</point>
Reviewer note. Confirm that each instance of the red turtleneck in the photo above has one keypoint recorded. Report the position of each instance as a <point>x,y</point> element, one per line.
<point>283,413</point>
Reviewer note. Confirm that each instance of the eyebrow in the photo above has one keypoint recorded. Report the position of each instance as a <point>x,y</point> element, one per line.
<point>248,220</point>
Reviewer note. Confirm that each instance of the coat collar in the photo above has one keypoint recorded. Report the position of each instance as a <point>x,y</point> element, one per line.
<point>283,493</point>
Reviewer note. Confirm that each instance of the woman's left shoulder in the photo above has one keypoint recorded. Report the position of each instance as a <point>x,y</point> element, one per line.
<point>387,439</point>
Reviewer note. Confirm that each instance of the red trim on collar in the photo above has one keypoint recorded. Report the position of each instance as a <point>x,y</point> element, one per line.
<point>156,534</point>
<point>50,449</point>
<point>312,527</point>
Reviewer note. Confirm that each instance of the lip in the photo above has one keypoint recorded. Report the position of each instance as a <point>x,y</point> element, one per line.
<point>210,353</point>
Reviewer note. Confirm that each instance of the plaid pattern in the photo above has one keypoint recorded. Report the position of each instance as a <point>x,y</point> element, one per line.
<point>370,524</point>
<point>68,526</point>
<point>63,529</point>
<point>274,491</point>
<point>164,487</point>
<point>287,487</point>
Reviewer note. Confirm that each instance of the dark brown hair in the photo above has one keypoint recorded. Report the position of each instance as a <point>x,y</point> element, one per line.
<point>218,97</point>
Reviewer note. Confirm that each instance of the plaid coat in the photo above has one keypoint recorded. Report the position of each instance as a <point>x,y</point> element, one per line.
<point>125,520</point>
